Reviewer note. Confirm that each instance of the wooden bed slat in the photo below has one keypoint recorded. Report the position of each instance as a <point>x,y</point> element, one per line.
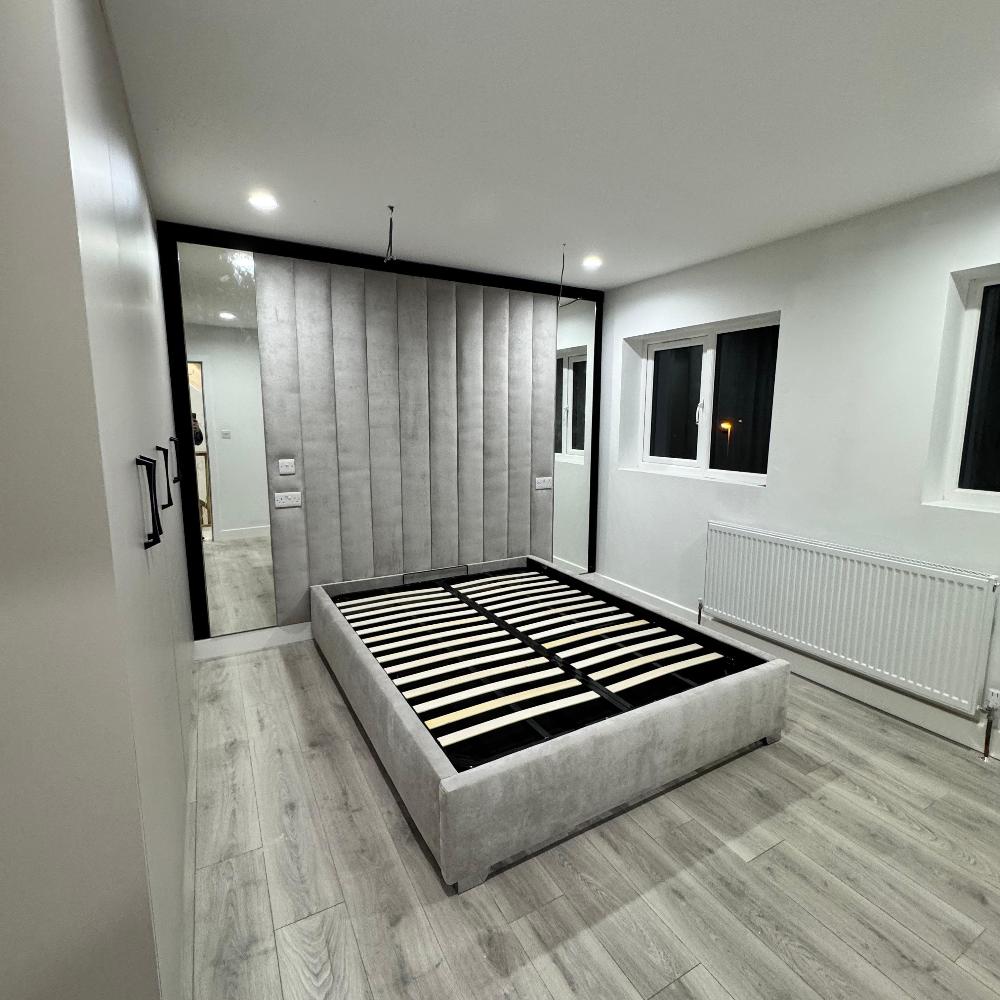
<point>556,643</point>
<point>495,703</point>
<point>475,692</point>
<point>506,720</point>
<point>661,671</point>
<point>660,641</point>
<point>448,682</point>
<point>640,661</point>
<point>440,657</point>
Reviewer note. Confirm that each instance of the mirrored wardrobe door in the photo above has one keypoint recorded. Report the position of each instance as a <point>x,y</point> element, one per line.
<point>219,302</point>
<point>574,399</point>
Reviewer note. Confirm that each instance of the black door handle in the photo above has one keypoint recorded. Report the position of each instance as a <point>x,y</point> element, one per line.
<point>153,537</point>
<point>166,476</point>
<point>177,464</point>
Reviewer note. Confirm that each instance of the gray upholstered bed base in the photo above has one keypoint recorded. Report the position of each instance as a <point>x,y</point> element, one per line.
<point>474,820</point>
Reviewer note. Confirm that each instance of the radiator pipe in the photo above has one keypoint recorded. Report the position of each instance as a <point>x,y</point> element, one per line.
<point>991,714</point>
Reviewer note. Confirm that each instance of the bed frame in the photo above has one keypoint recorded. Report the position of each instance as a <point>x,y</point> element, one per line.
<point>477,819</point>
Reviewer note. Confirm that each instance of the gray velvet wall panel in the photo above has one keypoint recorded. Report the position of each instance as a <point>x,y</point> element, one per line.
<point>318,411</point>
<point>543,416</point>
<point>383,421</point>
<point>418,412</point>
<point>469,327</point>
<point>519,374</point>
<point>414,422</point>
<point>495,429</point>
<point>282,432</point>
<point>347,305</point>
<point>443,398</point>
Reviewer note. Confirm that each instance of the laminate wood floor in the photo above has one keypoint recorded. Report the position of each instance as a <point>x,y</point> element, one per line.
<point>239,579</point>
<point>857,859</point>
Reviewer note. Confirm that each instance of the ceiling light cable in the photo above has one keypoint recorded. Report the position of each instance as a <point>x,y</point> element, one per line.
<point>388,250</point>
<point>562,274</point>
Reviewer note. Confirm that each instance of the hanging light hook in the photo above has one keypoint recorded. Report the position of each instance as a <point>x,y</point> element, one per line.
<point>388,250</point>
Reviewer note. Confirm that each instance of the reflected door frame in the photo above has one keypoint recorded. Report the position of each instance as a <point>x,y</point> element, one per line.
<point>204,446</point>
<point>171,234</point>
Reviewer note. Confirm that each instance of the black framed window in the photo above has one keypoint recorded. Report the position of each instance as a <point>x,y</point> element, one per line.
<point>744,395</point>
<point>709,400</point>
<point>675,404</point>
<point>980,469</point>
<point>578,411</point>
<point>571,403</point>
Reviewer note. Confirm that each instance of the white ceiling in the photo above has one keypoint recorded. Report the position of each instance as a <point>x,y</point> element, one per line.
<point>656,132</point>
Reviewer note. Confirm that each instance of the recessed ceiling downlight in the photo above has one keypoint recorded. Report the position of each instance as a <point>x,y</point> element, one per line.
<point>227,315</point>
<point>592,262</point>
<point>262,200</point>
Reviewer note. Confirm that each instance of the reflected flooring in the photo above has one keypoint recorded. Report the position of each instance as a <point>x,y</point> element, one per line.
<point>857,858</point>
<point>240,583</point>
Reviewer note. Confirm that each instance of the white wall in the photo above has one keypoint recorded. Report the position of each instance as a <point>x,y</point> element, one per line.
<point>571,501</point>
<point>96,636</point>
<point>863,307</point>
<point>232,396</point>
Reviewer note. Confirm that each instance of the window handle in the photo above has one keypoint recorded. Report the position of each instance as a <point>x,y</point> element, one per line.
<point>698,410</point>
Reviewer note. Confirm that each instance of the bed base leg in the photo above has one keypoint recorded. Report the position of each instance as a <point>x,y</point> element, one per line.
<point>772,737</point>
<point>464,884</point>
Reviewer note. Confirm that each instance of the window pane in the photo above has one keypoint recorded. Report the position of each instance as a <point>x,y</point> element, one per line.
<point>559,405</point>
<point>744,392</point>
<point>676,393</point>
<point>981,453</point>
<point>578,416</point>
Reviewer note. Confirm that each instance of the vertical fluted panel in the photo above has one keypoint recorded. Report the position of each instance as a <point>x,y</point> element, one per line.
<point>383,421</point>
<point>519,373</point>
<point>469,326</point>
<point>414,422</point>
<point>318,413</point>
<point>419,412</point>
<point>347,308</point>
<point>279,379</point>
<point>442,371</point>
<point>495,415</point>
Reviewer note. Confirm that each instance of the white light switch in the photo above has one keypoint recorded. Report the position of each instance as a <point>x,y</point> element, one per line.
<point>225,434</point>
<point>288,499</point>
<point>286,466</point>
<point>543,482</point>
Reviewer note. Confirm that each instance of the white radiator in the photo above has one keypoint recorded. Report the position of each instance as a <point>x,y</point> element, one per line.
<point>922,628</point>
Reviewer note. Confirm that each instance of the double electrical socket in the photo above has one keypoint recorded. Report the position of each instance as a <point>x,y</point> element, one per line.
<point>288,499</point>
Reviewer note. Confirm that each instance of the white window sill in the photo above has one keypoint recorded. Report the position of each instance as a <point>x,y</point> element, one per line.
<point>569,458</point>
<point>686,472</point>
<point>968,500</point>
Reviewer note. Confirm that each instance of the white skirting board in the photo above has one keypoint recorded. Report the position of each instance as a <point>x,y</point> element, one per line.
<point>233,534</point>
<point>250,642</point>
<point>952,727</point>
<point>567,567</point>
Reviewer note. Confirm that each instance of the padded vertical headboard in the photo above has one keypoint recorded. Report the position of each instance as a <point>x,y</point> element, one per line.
<point>419,412</point>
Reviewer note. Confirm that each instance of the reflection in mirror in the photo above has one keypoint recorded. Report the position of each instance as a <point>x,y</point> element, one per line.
<point>227,425</point>
<point>574,393</point>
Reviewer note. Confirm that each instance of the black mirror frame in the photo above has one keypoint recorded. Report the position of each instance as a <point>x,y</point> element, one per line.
<point>170,234</point>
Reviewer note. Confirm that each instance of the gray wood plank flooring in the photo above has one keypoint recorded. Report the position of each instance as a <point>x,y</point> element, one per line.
<point>239,580</point>
<point>857,858</point>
